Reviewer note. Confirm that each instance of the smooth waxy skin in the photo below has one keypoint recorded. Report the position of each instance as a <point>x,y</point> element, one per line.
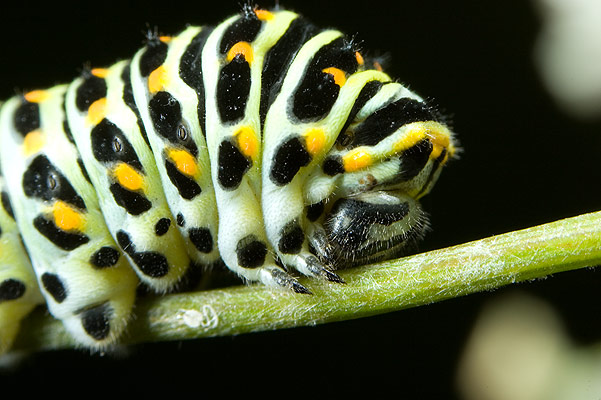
<point>264,141</point>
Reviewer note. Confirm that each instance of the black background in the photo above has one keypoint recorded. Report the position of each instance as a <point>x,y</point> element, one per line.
<point>524,163</point>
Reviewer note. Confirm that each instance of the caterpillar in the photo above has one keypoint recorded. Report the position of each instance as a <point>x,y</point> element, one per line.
<point>265,143</point>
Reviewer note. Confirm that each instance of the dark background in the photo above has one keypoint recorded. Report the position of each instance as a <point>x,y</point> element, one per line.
<point>524,163</point>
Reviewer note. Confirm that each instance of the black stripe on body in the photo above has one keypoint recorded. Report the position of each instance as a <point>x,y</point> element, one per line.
<point>317,92</point>
<point>278,59</point>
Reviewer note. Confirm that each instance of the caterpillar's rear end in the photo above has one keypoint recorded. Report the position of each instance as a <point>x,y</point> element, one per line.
<point>265,141</point>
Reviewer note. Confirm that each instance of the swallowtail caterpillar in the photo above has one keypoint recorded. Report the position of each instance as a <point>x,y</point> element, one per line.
<point>265,141</point>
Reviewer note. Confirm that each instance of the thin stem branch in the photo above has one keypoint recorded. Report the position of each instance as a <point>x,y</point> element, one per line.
<point>388,286</point>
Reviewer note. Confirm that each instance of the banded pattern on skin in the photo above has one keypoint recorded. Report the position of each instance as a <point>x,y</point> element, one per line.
<point>265,141</point>
<point>122,168</point>
<point>84,279</point>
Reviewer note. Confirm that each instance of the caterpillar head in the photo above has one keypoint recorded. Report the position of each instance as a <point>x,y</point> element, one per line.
<point>382,166</point>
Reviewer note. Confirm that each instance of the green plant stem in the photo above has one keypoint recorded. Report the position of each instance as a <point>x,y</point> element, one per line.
<point>388,286</point>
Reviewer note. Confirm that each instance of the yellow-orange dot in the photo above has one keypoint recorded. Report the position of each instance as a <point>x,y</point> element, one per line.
<point>263,15</point>
<point>356,160</point>
<point>165,39</point>
<point>157,79</point>
<point>359,58</point>
<point>66,218</point>
<point>100,72</point>
<point>184,162</point>
<point>315,139</point>
<point>378,66</point>
<point>243,48</point>
<point>338,74</point>
<point>33,142</point>
<point>97,111</point>
<point>128,177</point>
<point>247,141</point>
<point>36,96</point>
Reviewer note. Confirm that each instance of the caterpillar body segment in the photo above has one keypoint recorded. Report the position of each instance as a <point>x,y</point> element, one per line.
<point>122,168</point>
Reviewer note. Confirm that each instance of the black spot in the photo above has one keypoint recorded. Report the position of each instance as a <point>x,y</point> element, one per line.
<point>232,165</point>
<point>186,186</point>
<point>65,240</point>
<point>151,263</point>
<point>166,115</point>
<point>244,29</point>
<point>316,94</point>
<point>153,57</point>
<point>181,221</point>
<point>191,72</point>
<point>388,119</point>
<point>96,321</point>
<point>201,239</point>
<point>370,89</point>
<point>54,285</point>
<point>278,59</point>
<point>315,210</point>
<point>109,144</point>
<point>128,99</point>
<point>162,226</point>
<point>333,166</point>
<point>11,289</point>
<point>6,205</point>
<point>44,181</point>
<point>133,202</point>
<point>251,252</point>
<point>83,170</point>
<point>27,118</point>
<point>91,89</point>
<point>414,159</point>
<point>292,238</point>
<point>125,242</point>
<point>233,88</point>
<point>289,158</point>
<point>105,257</point>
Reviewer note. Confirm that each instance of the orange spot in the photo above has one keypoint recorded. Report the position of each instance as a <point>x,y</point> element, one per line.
<point>33,142</point>
<point>36,96</point>
<point>243,48</point>
<point>263,15</point>
<point>66,218</point>
<point>100,72</point>
<point>128,177</point>
<point>359,58</point>
<point>338,74</point>
<point>184,162</point>
<point>157,79</point>
<point>315,139</point>
<point>247,141</point>
<point>165,39</point>
<point>97,111</point>
<point>356,160</point>
<point>377,66</point>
